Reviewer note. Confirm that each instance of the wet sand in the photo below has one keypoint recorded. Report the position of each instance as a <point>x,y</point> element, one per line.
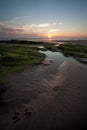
<point>62,105</point>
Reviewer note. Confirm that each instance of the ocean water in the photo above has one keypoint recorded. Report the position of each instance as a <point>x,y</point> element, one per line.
<point>30,39</point>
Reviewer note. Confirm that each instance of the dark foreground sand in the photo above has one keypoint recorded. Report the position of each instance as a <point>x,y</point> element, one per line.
<point>65,107</point>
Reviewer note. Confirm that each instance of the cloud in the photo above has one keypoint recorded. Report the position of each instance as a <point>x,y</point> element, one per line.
<point>21,17</point>
<point>60,23</point>
<point>17,19</point>
<point>38,27</point>
<point>8,28</point>
<point>53,30</point>
<point>44,25</point>
<point>17,26</point>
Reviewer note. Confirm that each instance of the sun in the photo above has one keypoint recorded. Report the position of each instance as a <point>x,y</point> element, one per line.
<point>49,35</point>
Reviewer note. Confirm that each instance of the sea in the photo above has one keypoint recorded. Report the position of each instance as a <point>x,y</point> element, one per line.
<point>41,39</point>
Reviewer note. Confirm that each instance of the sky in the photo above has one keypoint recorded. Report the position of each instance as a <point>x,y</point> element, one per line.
<point>43,19</point>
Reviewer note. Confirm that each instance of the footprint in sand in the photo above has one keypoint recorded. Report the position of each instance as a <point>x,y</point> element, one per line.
<point>16,117</point>
<point>55,88</point>
<point>16,120</point>
<point>27,113</point>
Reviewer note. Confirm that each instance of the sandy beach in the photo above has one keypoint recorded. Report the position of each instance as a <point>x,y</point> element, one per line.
<point>63,107</point>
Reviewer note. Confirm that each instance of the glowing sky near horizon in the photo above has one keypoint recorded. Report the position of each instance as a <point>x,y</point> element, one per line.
<point>43,18</point>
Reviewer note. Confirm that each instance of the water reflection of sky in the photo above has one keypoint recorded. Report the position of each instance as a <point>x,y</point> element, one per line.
<point>58,58</point>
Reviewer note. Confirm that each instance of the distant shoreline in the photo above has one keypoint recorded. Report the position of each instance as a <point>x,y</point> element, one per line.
<point>42,39</point>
